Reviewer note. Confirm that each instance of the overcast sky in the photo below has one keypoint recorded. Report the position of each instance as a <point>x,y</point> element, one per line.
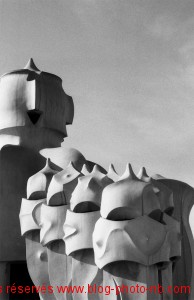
<point>129,66</point>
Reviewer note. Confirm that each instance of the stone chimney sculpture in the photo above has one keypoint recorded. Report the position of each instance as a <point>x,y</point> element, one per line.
<point>34,113</point>
<point>72,221</point>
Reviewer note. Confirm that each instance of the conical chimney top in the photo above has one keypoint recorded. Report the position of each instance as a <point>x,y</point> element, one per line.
<point>129,173</point>
<point>31,66</point>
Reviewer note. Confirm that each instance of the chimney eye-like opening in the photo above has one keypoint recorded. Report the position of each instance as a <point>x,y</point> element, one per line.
<point>34,115</point>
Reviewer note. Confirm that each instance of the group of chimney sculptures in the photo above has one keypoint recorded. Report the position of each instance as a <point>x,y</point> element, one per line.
<point>72,221</point>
